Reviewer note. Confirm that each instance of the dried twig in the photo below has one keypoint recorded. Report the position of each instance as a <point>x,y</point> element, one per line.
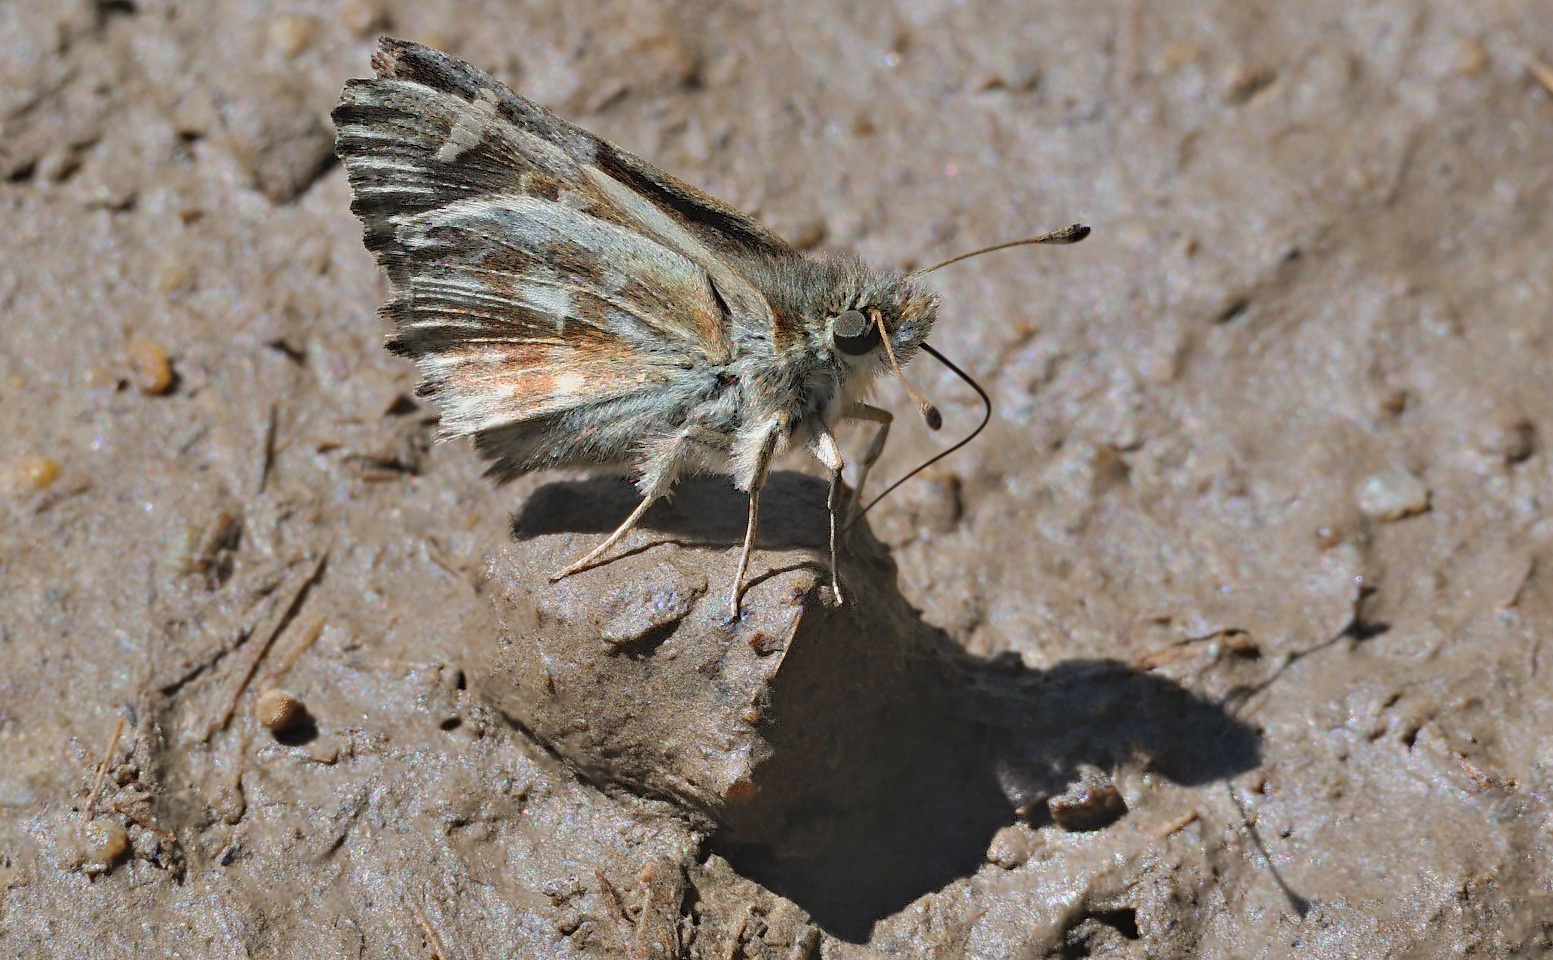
<point>1543,73</point>
<point>736,942</point>
<point>617,906</point>
<point>1176,824</point>
<point>268,460</point>
<point>432,940</point>
<point>310,636</point>
<point>102,766</point>
<point>661,888</point>
<point>262,647</point>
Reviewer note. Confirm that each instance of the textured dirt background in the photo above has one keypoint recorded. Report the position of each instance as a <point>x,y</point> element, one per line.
<point>1322,254</point>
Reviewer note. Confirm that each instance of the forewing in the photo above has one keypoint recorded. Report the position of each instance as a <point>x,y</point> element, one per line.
<point>535,268</point>
<point>711,224</point>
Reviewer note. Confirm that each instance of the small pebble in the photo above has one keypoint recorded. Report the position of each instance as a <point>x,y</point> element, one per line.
<point>180,547</point>
<point>278,710</point>
<point>174,275</point>
<point>1472,58</point>
<point>1510,440</point>
<point>740,791</point>
<point>150,369</point>
<point>1012,846</point>
<point>1393,402</point>
<point>98,377</point>
<point>230,803</point>
<point>104,843</point>
<point>24,475</point>
<point>1329,536</point>
<point>1090,803</point>
<point>1247,81</point>
<point>1392,495</point>
<point>764,644</point>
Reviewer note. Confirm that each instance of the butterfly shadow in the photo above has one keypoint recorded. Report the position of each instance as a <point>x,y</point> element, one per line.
<point>921,793</point>
<point>897,756</point>
<point>701,512</point>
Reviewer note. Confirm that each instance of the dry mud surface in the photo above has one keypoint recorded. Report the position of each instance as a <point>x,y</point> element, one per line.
<point>1231,638</point>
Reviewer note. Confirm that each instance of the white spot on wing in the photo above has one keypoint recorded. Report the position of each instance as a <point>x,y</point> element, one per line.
<point>555,301</point>
<point>469,130</point>
<point>464,137</point>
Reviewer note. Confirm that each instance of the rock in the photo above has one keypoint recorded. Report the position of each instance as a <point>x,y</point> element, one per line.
<point>104,843</point>
<point>1511,439</point>
<point>849,756</point>
<point>28,474</point>
<point>632,672</point>
<point>657,602</point>
<point>1392,495</point>
<point>1012,846</point>
<point>1092,802</point>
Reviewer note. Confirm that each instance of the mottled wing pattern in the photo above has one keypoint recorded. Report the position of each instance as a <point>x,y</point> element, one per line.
<point>553,288</point>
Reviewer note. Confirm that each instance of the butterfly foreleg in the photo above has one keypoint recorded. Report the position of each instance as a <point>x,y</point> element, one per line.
<point>828,452</point>
<point>660,468</point>
<point>588,559</point>
<point>762,466</point>
<point>864,411</point>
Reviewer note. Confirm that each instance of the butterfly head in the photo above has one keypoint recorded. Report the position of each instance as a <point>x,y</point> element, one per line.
<point>879,325</point>
<point>866,307</point>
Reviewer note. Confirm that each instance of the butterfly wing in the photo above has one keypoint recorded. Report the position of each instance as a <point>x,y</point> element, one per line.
<point>564,299</point>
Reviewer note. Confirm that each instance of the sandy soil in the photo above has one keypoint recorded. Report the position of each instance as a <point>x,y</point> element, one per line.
<point>1240,609</point>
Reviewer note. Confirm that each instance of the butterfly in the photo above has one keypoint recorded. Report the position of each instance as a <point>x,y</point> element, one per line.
<point>570,304</point>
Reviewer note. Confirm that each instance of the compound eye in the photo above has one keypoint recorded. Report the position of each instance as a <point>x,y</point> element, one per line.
<point>855,334</point>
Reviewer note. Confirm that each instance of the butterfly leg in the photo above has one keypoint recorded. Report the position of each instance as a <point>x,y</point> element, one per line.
<point>763,460</point>
<point>864,411</point>
<point>614,538</point>
<point>660,468</point>
<point>828,452</point>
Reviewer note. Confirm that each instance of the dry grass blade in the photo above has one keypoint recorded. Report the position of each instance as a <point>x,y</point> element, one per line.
<point>102,767</point>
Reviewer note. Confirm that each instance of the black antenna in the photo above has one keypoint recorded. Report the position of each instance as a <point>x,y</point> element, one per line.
<point>986,418</point>
<point>1072,233</point>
